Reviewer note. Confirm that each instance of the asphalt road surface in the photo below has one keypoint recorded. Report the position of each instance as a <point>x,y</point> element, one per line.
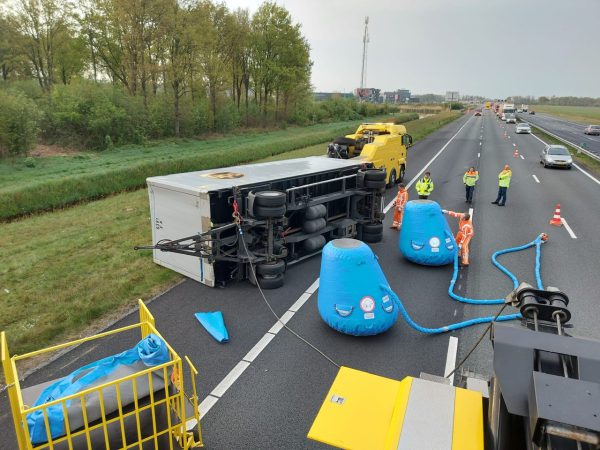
<point>264,387</point>
<point>570,131</point>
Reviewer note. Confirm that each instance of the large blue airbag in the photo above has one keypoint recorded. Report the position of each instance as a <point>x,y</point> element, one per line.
<point>426,237</point>
<point>352,290</point>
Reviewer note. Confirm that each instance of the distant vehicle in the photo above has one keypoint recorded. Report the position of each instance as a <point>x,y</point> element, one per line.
<point>488,105</point>
<point>524,108</point>
<point>531,112</point>
<point>556,156</point>
<point>510,118</point>
<point>523,128</point>
<point>519,110</point>
<point>592,129</point>
<point>503,116</point>
<point>508,108</point>
<point>477,113</point>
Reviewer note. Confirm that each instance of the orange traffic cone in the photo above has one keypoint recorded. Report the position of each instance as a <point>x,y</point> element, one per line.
<point>516,153</point>
<point>556,220</point>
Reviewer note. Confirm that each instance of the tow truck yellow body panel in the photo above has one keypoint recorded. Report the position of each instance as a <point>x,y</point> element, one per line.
<point>365,411</point>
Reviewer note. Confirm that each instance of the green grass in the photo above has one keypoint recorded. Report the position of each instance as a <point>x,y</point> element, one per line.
<point>590,163</point>
<point>63,271</point>
<point>56,182</point>
<point>583,114</point>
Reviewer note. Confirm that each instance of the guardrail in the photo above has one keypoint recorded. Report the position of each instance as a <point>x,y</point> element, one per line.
<point>578,147</point>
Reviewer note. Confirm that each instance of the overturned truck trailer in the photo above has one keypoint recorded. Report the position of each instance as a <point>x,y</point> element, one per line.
<point>265,216</point>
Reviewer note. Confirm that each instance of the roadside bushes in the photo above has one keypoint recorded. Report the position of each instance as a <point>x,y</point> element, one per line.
<point>18,123</point>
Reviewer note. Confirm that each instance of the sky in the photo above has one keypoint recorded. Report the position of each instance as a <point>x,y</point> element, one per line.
<point>493,48</point>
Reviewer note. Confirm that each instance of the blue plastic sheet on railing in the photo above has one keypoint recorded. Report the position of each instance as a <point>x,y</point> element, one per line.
<point>151,351</point>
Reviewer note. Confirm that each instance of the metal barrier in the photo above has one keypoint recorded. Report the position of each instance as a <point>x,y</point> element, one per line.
<point>156,421</point>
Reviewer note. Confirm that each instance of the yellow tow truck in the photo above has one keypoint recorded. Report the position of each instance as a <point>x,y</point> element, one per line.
<point>382,145</point>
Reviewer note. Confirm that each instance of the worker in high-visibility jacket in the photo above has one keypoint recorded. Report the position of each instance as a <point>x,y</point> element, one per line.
<point>503,184</point>
<point>470,179</point>
<point>464,235</point>
<point>425,186</point>
<point>399,203</point>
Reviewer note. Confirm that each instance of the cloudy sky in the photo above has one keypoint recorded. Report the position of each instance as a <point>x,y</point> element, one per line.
<point>494,48</point>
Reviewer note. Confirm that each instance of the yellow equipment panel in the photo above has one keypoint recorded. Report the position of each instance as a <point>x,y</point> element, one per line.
<point>363,411</point>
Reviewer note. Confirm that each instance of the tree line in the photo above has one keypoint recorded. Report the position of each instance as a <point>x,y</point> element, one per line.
<point>101,72</point>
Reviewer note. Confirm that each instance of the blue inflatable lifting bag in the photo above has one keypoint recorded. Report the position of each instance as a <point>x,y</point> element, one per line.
<point>352,296</point>
<point>426,237</point>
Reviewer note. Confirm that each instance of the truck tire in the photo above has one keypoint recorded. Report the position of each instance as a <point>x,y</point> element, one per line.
<point>312,226</point>
<point>372,228</point>
<point>270,269</point>
<point>393,179</point>
<point>372,238</point>
<point>373,174</point>
<point>273,282</point>
<point>270,199</point>
<point>314,243</point>
<point>315,212</point>
<point>371,184</point>
<point>402,173</point>
<point>269,211</point>
<point>344,141</point>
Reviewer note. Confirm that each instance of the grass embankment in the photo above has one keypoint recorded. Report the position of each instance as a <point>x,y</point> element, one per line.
<point>582,114</point>
<point>59,181</point>
<point>590,163</point>
<point>417,128</point>
<point>65,270</point>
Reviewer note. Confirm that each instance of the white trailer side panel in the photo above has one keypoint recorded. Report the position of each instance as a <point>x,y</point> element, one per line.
<point>176,214</point>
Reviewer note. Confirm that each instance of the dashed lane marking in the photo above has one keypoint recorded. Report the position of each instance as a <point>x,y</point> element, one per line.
<point>569,230</point>
<point>535,178</point>
<point>522,157</point>
<point>451,356</point>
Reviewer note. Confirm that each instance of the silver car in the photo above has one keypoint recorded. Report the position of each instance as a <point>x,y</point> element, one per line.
<point>523,127</point>
<point>511,118</point>
<point>556,156</point>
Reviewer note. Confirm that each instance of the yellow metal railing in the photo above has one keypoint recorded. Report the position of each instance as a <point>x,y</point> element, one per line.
<point>171,398</point>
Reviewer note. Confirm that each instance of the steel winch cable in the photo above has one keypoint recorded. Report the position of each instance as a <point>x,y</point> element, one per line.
<point>277,317</point>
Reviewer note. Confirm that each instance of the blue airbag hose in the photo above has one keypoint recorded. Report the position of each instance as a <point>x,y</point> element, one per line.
<point>537,242</point>
<point>444,329</point>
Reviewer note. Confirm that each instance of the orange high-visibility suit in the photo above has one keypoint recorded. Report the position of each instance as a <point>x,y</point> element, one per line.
<point>464,235</point>
<point>399,203</point>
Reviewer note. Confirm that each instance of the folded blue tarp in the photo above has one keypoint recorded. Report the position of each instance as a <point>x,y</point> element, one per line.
<point>213,323</point>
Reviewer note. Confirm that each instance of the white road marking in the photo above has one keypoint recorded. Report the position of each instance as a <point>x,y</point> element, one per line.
<point>411,182</point>
<point>258,348</point>
<point>451,357</point>
<point>218,392</point>
<point>471,213</point>
<point>514,145</point>
<point>479,155</point>
<point>569,230</point>
<point>231,378</point>
<point>522,157</point>
<point>591,177</point>
<point>480,143</point>
<point>535,178</point>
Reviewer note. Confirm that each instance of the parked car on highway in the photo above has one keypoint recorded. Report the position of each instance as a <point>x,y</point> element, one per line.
<point>556,156</point>
<point>477,113</point>
<point>592,129</point>
<point>531,112</point>
<point>511,118</point>
<point>523,128</point>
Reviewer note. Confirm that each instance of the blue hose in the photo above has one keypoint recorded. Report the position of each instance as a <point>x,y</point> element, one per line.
<point>479,320</point>
<point>537,242</point>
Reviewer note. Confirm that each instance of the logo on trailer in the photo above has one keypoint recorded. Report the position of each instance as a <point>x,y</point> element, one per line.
<point>367,304</point>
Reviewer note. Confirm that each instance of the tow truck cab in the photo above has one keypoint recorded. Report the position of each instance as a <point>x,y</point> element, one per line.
<point>380,145</point>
